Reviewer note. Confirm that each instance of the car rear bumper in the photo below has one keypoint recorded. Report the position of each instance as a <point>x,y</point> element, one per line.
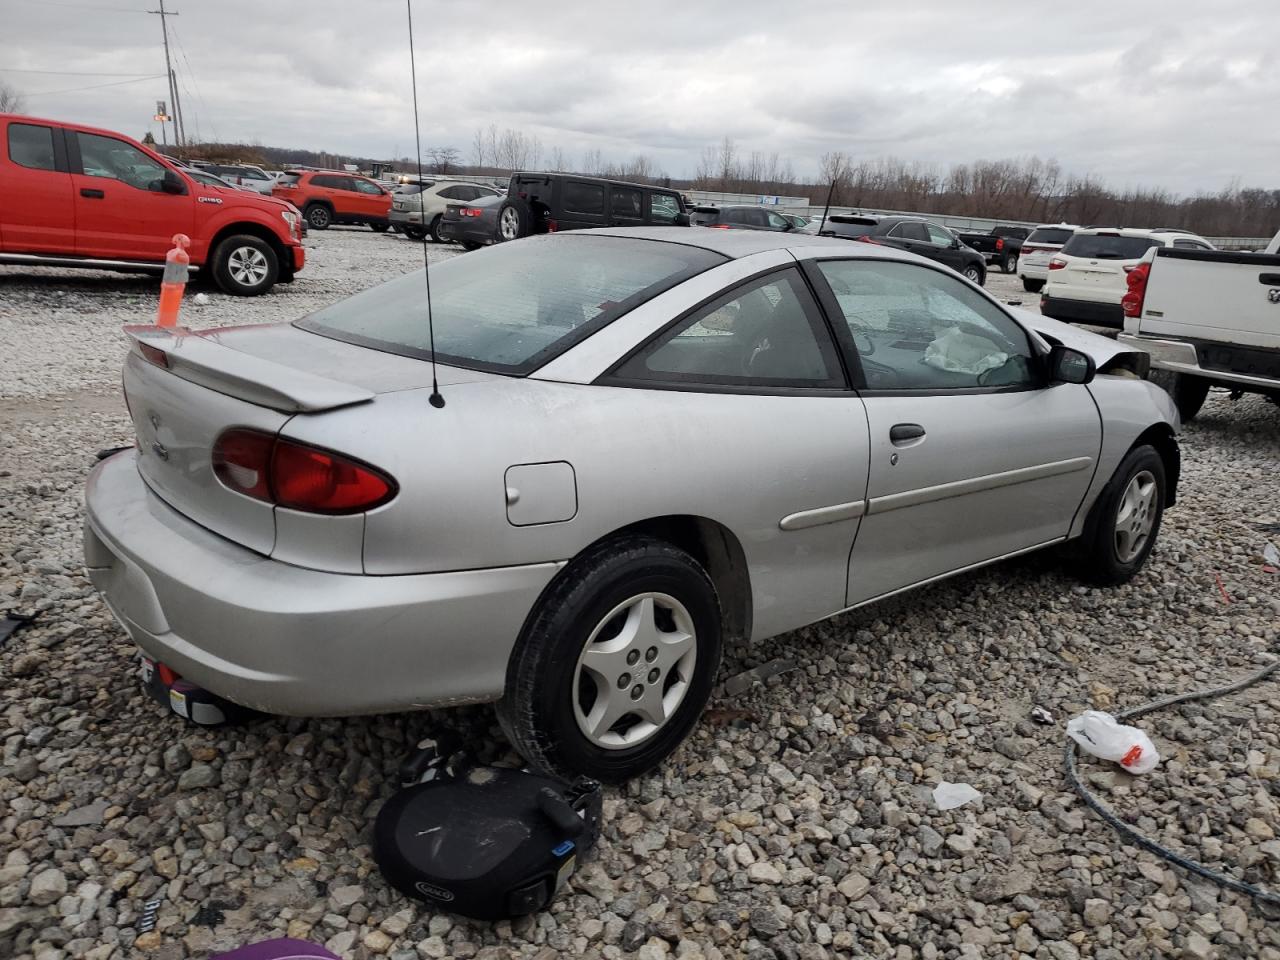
<point>1033,270</point>
<point>1180,356</point>
<point>288,640</point>
<point>1083,311</point>
<point>459,232</point>
<point>400,218</point>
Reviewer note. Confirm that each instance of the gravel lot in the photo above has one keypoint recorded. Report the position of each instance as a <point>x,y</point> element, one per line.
<point>798,821</point>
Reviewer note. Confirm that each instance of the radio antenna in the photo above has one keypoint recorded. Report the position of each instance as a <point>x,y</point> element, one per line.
<point>436,400</point>
<point>823,222</point>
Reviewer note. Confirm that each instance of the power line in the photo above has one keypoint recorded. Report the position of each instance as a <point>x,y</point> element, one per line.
<point>82,6</point>
<point>94,86</point>
<point>73,73</point>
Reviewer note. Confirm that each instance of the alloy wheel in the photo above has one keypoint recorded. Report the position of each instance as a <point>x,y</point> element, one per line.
<point>510,224</point>
<point>971,273</point>
<point>634,671</point>
<point>1136,515</point>
<point>247,266</point>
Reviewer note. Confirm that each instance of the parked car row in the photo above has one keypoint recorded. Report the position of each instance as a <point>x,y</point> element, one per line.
<point>914,234</point>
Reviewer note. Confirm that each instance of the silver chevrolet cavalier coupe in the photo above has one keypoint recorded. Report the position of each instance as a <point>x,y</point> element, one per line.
<point>651,442</point>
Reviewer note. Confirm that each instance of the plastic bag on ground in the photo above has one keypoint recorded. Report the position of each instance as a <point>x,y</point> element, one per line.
<point>948,796</point>
<point>1105,737</point>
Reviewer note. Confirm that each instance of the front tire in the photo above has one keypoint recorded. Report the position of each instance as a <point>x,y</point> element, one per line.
<point>1032,286</point>
<point>615,663</point>
<point>1188,392</point>
<point>379,227</point>
<point>319,217</point>
<point>1125,521</point>
<point>245,266</point>
<point>974,274</point>
<point>471,245</point>
<point>415,233</point>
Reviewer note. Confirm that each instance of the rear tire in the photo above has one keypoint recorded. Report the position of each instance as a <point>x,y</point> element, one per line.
<point>471,245</point>
<point>379,227</point>
<point>1009,264</point>
<point>1032,286</point>
<point>415,233</point>
<point>436,236</point>
<point>1125,520</point>
<point>568,707</point>
<point>245,265</point>
<point>319,217</point>
<point>1188,392</point>
<point>514,220</point>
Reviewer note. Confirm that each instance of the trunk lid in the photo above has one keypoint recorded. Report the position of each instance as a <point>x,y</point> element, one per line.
<point>184,389</point>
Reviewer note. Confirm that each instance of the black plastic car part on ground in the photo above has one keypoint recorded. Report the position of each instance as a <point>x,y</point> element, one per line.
<point>554,202</point>
<point>923,237</point>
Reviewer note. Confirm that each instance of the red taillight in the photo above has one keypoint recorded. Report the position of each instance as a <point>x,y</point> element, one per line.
<point>1137,280</point>
<point>999,244</point>
<point>154,355</point>
<point>297,476</point>
<point>470,212</point>
<point>552,226</point>
<point>1057,263</point>
<point>718,226</point>
<point>867,238</point>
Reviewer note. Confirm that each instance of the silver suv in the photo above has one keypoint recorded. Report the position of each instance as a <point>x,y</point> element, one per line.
<point>416,208</point>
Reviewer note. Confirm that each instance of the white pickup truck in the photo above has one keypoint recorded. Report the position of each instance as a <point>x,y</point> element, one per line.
<point>1207,318</point>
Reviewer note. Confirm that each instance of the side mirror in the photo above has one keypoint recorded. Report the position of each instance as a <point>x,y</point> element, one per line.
<point>1067,365</point>
<point>955,243</point>
<point>682,220</point>
<point>172,183</point>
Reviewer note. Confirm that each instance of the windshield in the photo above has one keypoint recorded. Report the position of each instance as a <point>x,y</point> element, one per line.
<point>1050,235</point>
<point>515,306</point>
<point>1108,246</point>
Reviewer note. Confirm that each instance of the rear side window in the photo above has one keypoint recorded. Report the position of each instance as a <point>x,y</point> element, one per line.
<point>627,203</point>
<point>31,146</point>
<point>331,182</point>
<point>290,178</point>
<point>1108,246</point>
<point>585,198</point>
<point>1050,235</point>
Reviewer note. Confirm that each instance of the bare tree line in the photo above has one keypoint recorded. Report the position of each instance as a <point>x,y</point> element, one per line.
<point>11,100</point>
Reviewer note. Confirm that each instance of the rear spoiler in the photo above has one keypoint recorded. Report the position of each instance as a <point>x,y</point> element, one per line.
<point>193,356</point>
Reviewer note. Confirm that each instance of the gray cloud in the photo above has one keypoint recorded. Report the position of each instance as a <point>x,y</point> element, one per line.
<point>1172,94</point>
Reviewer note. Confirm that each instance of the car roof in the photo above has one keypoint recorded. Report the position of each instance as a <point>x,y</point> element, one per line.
<point>585,179</point>
<point>1148,233</point>
<point>741,243</point>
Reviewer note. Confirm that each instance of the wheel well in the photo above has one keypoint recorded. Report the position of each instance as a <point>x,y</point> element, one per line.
<point>316,203</point>
<point>715,547</point>
<point>285,262</point>
<point>1160,436</point>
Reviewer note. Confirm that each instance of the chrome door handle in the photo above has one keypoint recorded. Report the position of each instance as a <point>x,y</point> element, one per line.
<point>901,433</point>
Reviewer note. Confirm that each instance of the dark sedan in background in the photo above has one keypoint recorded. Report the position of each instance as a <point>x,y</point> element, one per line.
<point>472,224</point>
<point>742,217</point>
<point>924,237</point>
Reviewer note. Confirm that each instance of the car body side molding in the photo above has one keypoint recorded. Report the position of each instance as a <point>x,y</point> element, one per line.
<point>804,519</point>
<point>960,488</point>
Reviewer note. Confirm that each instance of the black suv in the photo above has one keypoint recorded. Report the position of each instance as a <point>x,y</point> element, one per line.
<point>907,233</point>
<point>551,202</point>
<point>744,217</point>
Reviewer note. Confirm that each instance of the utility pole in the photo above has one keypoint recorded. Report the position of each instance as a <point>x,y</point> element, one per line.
<point>179,128</point>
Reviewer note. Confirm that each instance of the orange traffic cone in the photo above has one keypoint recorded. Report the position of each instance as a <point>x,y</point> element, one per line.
<point>176,270</point>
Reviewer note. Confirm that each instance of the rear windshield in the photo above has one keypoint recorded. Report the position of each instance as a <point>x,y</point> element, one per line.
<point>1108,246</point>
<point>848,227</point>
<point>409,189</point>
<point>290,177</point>
<point>1050,235</point>
<point>700,216</point>
<point>515,306</point>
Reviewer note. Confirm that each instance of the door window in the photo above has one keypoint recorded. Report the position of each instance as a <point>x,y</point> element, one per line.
<point>938,235</point>
<point>627,204</point>
<point>116,160</point>
<point>776,220</point>
<point>916,328</point>
<point>766,333</point>
<point>364,186</point>
<point>31,146</point>
<point>663,208</point>
<point>910,230</point>
<point>585,198</point>
<point>327,182</point>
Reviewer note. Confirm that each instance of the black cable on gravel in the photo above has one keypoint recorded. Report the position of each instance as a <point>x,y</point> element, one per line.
<point>1146,842</point>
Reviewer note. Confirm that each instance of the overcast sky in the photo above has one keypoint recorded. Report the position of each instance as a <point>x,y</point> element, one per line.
<point>1180,94</point>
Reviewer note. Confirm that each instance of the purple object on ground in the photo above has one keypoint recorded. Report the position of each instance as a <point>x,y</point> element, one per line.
<point>282,949</point>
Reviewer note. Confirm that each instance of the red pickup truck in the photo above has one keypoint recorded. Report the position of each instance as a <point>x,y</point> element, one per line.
<point>73,196</point>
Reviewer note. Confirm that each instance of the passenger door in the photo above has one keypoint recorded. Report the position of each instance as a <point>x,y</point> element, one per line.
<point>756,376</point>
<point>37,206</point>
<point>776,221</point>
<point>910,235</point>
<point>371,200</point>
<point>664,209</point>
<point>973,456</point>
<point>122,211</point>
<point>946,250</point>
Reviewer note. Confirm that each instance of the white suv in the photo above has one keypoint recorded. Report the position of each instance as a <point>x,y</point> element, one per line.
<point>1088,277</point>
<point>416,208</point>
<point>1038,249</point>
